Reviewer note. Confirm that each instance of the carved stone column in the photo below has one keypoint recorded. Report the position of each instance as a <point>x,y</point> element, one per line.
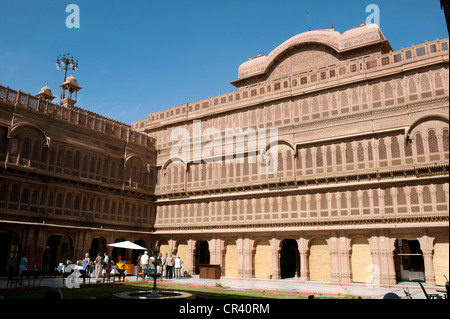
<point>344,260</point>
<point>303,250</point>
<point>191,249</point>
<point>334,256</point>
<point>426,245</point>
<point>247,248</point>
<point>382,249</point>
<point>275,246</point>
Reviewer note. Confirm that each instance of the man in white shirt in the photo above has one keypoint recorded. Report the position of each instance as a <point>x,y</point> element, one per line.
<point>144,260</point>
<point>177,267</point>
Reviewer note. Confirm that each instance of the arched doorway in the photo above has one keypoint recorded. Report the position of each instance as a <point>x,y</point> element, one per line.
<point>201,254</point>
<point>98,246</point>
<point>440,259</point>
<point>58,249</point>
<point>361,260</point>
<point>319,260</point>
<point>231,256</point>
<point>263,259</point>
<point>408,260</point>
<point>9,252</point>
<point>164,247</point>
<point>183,252</point>
<point>289,259</point>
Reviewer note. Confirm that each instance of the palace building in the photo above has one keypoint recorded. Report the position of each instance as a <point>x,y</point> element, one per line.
<point>358,135</point>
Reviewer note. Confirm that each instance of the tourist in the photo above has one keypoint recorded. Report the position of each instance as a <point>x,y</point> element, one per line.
<point>177,265</point>
<point>106,259</point>
<point>114,270</point>
<point>144,260</point>
<point>159,262</point>
<point>23,264</point>
<point>169,265</point>
<point>151,264</point>
<point>139,262</point>
<point>163,265</point>
<point>86,261</point>
<point>98,265</point>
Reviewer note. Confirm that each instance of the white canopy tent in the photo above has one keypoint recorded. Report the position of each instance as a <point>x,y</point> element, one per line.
<point>128,245</point>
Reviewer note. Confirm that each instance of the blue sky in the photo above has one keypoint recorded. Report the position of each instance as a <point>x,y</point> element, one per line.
<point>138,57</point>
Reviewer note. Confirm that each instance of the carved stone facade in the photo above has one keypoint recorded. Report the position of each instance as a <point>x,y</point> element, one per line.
<point>70,182</point>
<point>360,192</point>
<point>362,164</point>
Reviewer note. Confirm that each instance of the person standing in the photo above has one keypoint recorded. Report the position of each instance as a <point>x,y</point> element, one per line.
<point>106,260</point>
<point>98,265</point>
<point>139,261</point>
<point>86,261</point>
<point>23,264</point>
<point>169,265</point>
<point>163,265</point>
<point>159,262</point>
<point>177,265</point>
<point>144,260</point>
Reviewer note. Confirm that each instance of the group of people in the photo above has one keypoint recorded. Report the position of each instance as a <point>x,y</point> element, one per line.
<point>170,266</point>
<point>99,263</point>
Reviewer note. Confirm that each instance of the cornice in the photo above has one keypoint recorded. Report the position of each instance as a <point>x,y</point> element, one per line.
<point>355,222</point>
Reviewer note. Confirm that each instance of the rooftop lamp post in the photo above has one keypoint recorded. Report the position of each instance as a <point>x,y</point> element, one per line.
<point>66,62</point>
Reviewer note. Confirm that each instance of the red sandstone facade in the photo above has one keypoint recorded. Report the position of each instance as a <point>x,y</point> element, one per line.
<point>360,193</point>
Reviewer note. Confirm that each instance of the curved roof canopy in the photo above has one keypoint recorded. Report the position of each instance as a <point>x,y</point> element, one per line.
<point>359,37</point>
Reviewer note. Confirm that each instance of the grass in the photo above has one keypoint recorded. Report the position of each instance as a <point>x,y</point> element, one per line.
<point>106,291</point>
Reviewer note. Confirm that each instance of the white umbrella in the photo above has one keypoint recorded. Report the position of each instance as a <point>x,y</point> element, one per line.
<point>128,245</point>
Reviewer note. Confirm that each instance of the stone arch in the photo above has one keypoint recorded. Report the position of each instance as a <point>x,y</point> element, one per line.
<point>14,130</point>
<point>361,260</point>
<point>230,258</point>
<point>319,260</point>
<point>424,119</point>
<point>59,249</point>
<point>10,251</point>
<point>440,258</point>
<point>262,258</point>
<point>202,254</point>
<point>182,247</point>
<point>164,248</point>
<point>289,258</point>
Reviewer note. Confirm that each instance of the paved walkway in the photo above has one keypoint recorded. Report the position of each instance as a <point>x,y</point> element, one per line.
<point>285,285</point>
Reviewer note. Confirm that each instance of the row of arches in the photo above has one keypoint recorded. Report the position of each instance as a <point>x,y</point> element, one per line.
<point>338,102</point>
<point>317,259</point>
<point>428,142</point>
<point>389,201</point>
<point>28,146</point>
<point>55,201</point>
<point>58,248</point>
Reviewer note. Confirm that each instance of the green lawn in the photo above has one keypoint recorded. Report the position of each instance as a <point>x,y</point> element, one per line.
<point>105,291</point>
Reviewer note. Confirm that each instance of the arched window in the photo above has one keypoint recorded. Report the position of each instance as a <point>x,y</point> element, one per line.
<point>433,142</point>
<point>15,146</point>
<point>412,86</point>
<point>445,138</point>
<point>26,148</point>
<point>395,147</point>
<point>36,153</point>
<point>419,144</point>
<point>382,153</point>
<point>425,85</point>
<point>349,153</point>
